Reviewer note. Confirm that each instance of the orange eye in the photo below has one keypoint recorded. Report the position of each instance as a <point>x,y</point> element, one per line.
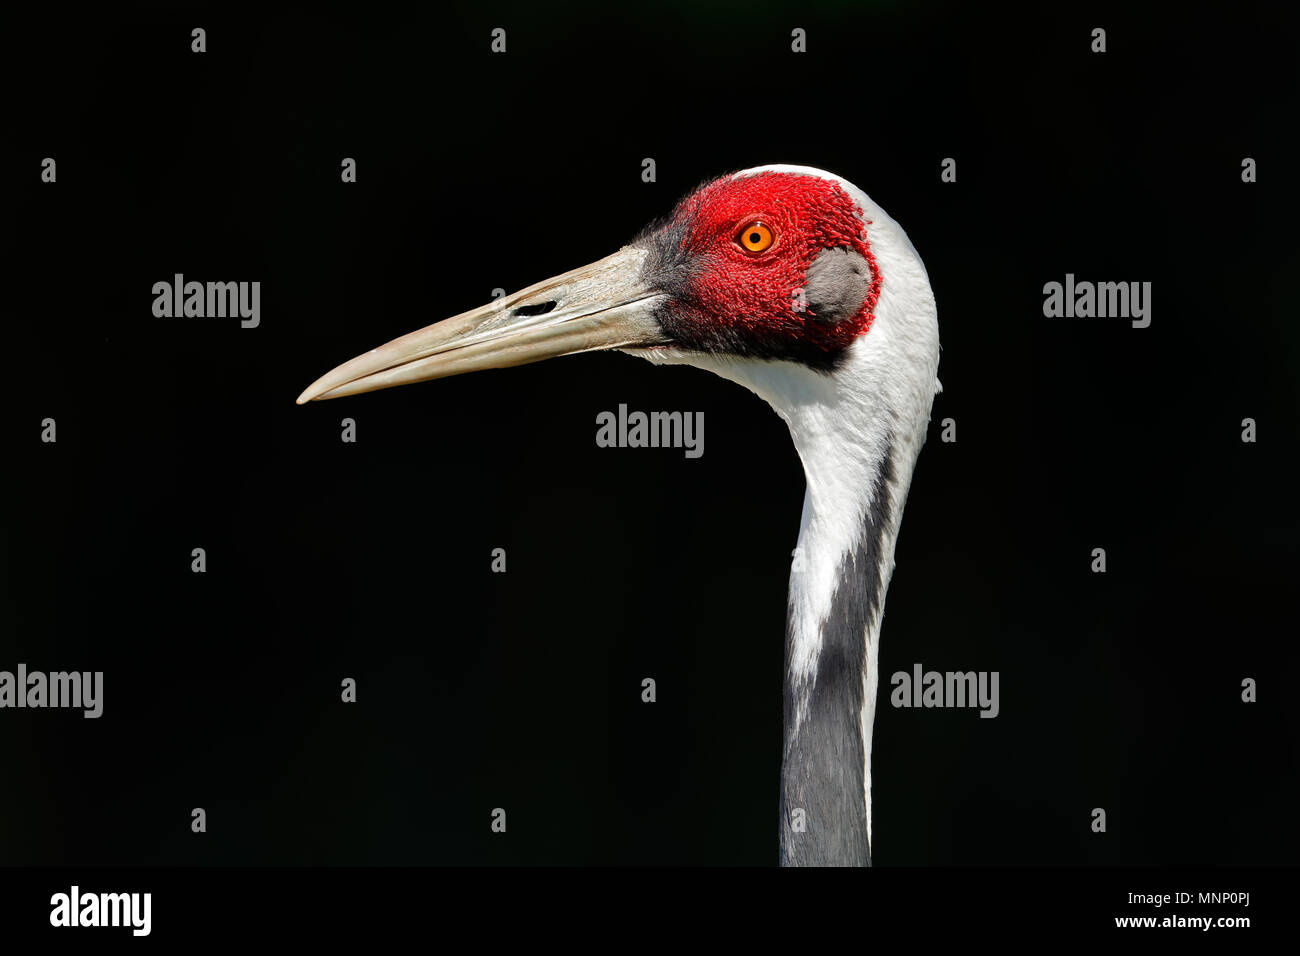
<point>756,237</point>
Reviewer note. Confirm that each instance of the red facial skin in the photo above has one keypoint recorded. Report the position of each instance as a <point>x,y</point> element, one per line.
<point>725,298</point>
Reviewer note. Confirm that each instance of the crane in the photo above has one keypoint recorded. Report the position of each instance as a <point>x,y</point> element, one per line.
<point>790,281</point>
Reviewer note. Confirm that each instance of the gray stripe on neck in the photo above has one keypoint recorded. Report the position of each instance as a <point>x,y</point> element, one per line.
<point>823,769</point>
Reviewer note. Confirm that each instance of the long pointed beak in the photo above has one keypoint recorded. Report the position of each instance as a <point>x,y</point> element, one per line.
<point>601,306</point>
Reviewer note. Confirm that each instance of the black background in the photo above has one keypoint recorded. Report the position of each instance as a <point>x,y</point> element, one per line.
<point>371,560</point>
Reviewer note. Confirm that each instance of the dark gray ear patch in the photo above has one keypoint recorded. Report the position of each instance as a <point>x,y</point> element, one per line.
<point>836,284</point>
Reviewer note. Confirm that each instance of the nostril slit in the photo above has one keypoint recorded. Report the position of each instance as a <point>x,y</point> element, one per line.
<point>539,308</point>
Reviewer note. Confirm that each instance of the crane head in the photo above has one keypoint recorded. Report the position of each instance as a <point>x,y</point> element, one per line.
<point>772,263</point>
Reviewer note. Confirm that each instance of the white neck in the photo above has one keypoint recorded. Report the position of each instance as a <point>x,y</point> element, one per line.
<point>858,436</point>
